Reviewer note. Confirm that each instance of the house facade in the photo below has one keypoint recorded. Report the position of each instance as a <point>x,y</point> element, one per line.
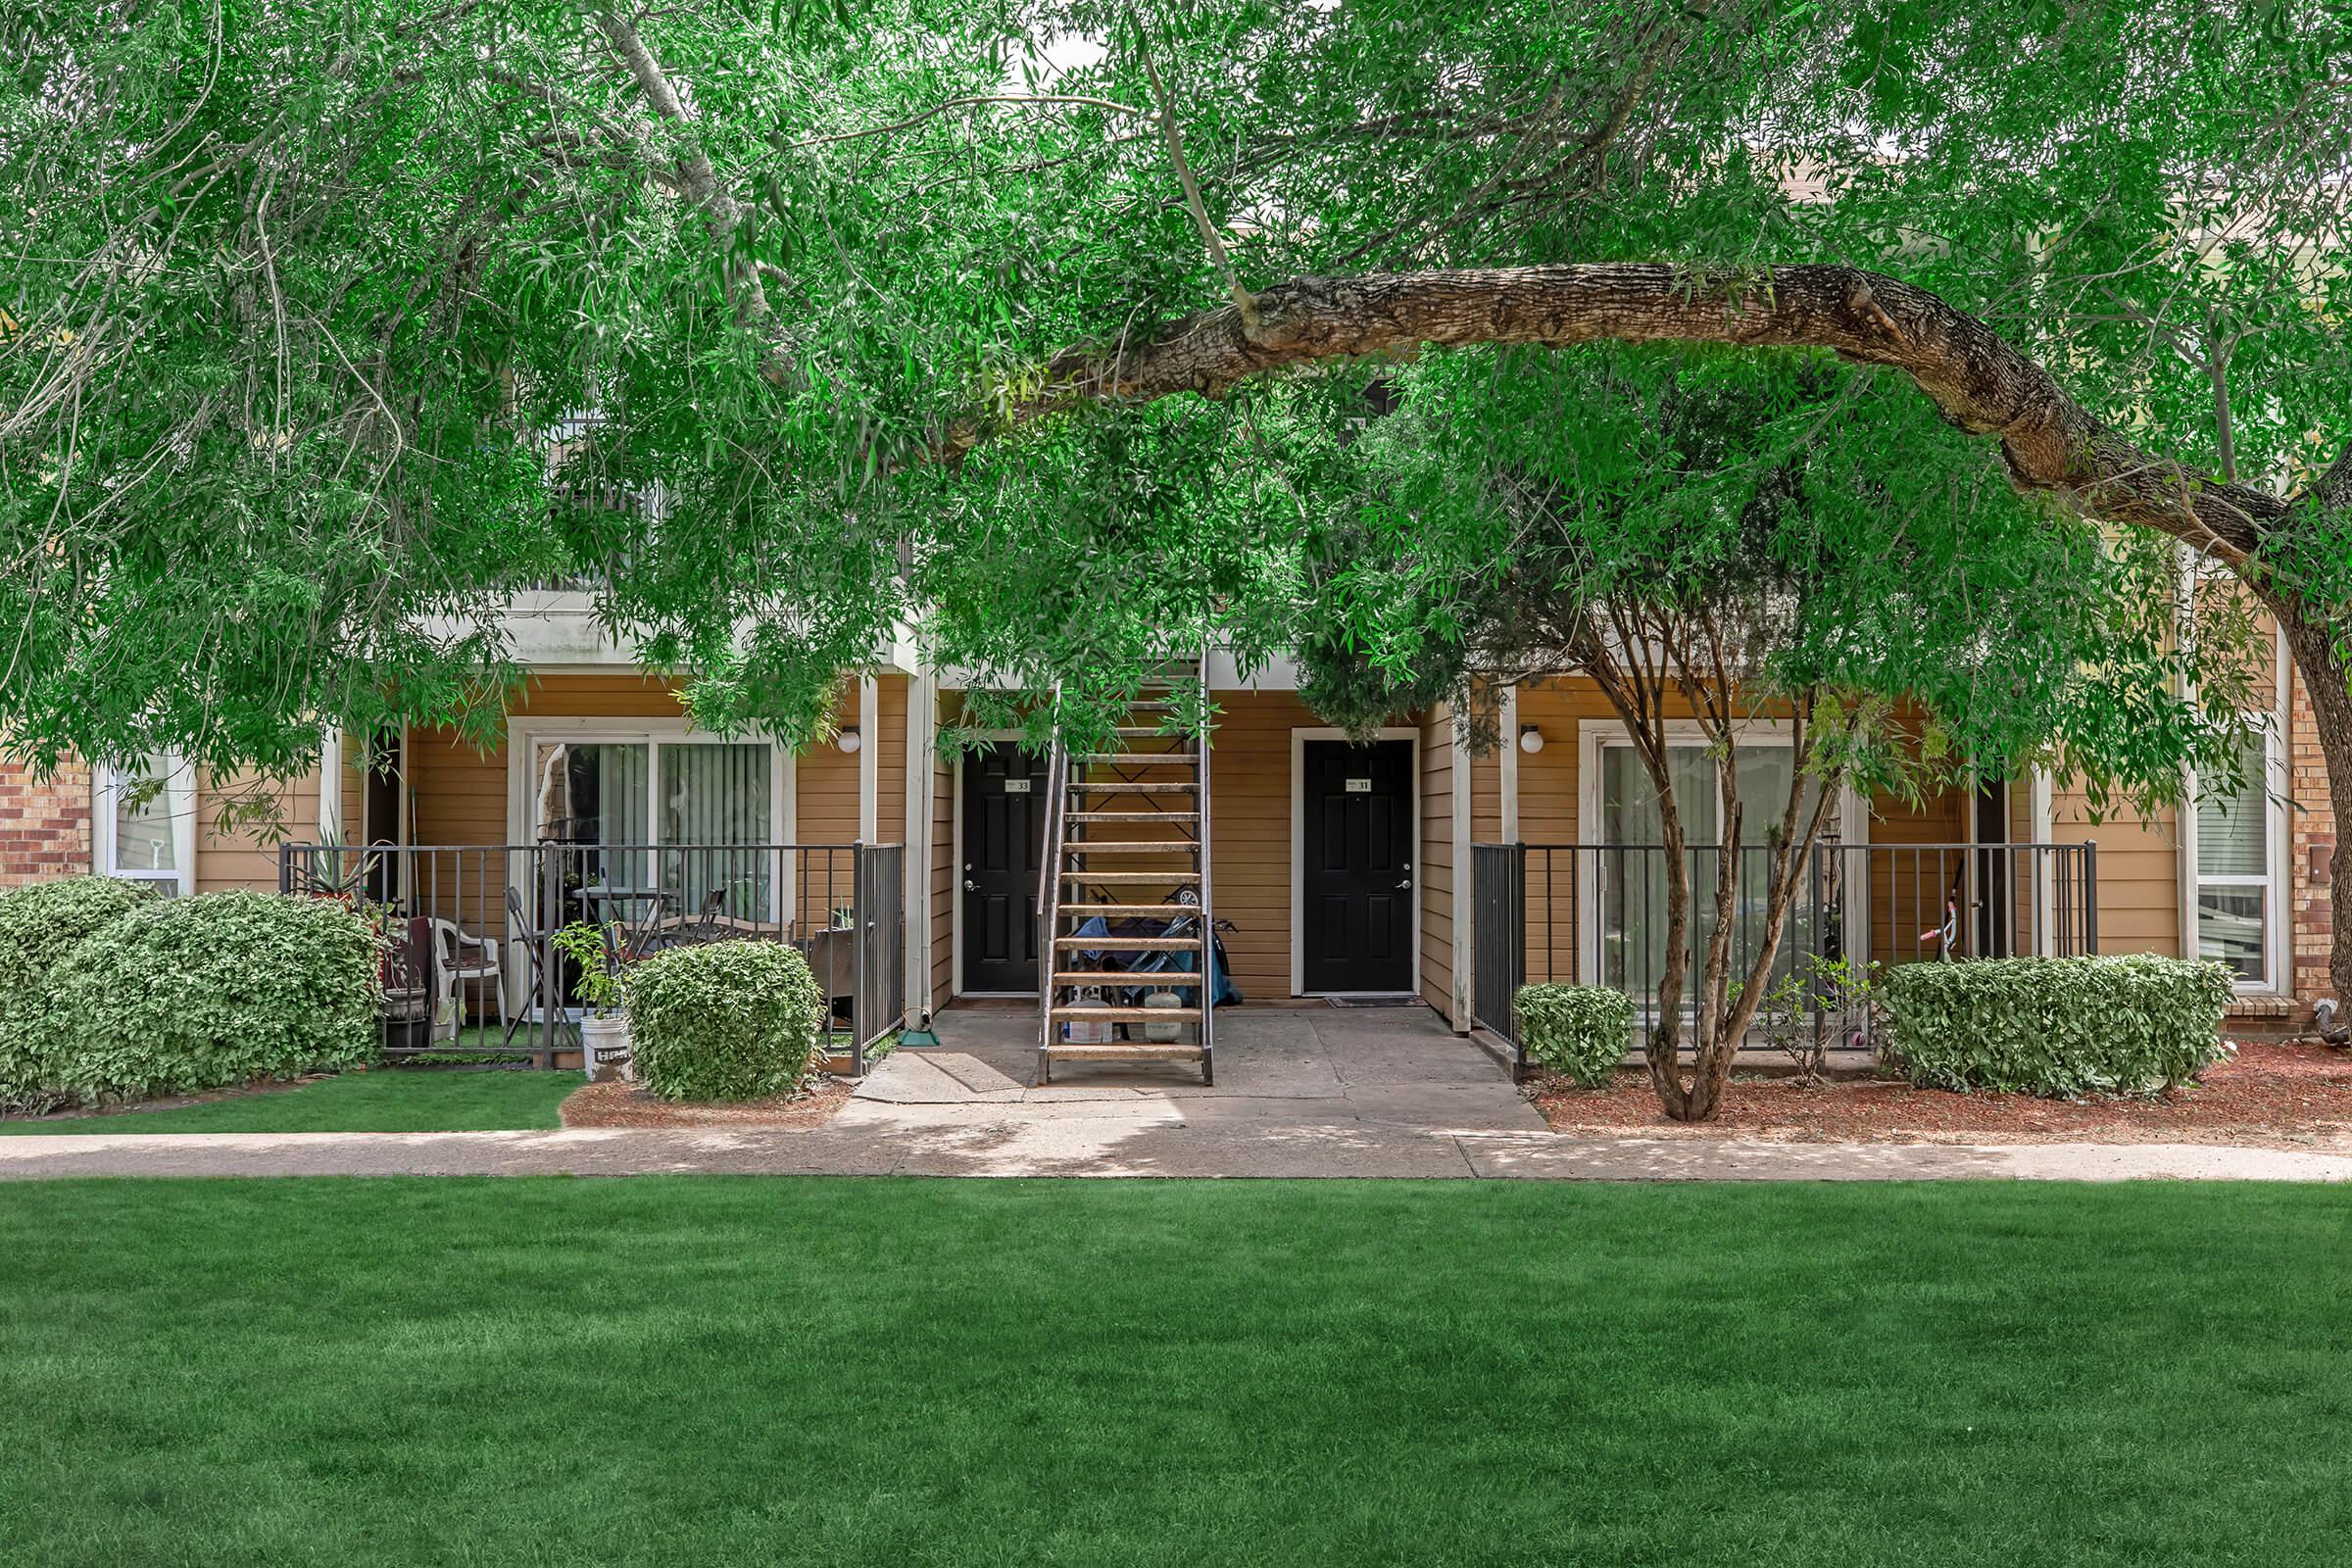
<point>1340,868</point>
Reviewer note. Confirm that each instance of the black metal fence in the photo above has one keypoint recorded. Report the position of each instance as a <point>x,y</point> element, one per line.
<point>1595,914</point>
<point>473,970</point>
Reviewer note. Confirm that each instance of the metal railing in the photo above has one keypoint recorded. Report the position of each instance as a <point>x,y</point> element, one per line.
<point>471,969</point>
<point>1595,914</point>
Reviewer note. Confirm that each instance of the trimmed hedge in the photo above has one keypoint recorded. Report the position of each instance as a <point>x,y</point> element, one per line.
<point>1581,1030</point>
<point>2060,1028</point>
<point>723,1020</point>
<point>39,924</point>
<point>187,993</point>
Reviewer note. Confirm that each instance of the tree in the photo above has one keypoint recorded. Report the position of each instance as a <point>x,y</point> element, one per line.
<point>336,324</point>
<point>1715,540</point>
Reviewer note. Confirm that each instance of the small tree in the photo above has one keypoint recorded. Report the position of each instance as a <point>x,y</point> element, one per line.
<point>1723,542</point>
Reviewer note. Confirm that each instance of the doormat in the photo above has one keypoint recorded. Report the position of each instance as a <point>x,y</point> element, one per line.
<point>1400,999</point>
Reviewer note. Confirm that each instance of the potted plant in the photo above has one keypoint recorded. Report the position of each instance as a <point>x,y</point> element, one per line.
<point>604,1027</point>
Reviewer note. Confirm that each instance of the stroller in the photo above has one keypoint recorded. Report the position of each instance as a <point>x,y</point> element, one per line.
<point>1224,993</point>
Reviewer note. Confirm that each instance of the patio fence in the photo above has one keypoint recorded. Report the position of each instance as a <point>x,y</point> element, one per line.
<point>471,969</point>
<point>1595,914</point>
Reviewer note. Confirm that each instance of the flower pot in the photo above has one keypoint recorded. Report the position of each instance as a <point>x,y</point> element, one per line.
<point>604,1049</point>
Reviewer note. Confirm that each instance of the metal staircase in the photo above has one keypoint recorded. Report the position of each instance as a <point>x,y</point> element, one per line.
<point>1126,839</point>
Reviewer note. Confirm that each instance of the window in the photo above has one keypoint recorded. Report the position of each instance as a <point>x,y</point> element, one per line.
<point>1625,888</point>
<point>2238,870</point>
<point>146,823</point>
<point>691,816</point>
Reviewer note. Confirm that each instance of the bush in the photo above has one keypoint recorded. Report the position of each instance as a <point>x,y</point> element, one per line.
<point>40,925</point>
<point>724,1020</point>
<point>2057,1027</point>
<point>1582,1031</point>
<point>186,994</point>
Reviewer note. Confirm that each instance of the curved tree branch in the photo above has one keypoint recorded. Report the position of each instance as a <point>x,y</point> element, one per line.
<point>1980,382</point>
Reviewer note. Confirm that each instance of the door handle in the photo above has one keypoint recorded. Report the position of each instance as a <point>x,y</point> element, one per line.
<point>970,886</point>
<point>1405,883</point>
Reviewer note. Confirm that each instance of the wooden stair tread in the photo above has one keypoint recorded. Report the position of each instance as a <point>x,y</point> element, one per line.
<point>1173,1051</point>
<point>1132,817</point>
<point>1129,943</point>
<point>1126,980</point>
<point>1081,874</point>
<point>1131,846</point>
<point>1083,1014</point>
<point>1087,912</point>
<point>1121,786</point>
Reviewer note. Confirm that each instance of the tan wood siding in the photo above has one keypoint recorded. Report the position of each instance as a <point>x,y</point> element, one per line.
<point>261,816</point>
<point>1250,849</point>
<point>2138,869</point>
<point>943,891</point>
<point>825,778</point>
<point>1435,873</point>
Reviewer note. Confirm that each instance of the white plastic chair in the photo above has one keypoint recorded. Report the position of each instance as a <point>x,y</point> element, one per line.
<point>466,956</point>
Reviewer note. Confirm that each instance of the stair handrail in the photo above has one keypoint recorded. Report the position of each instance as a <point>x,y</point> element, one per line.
<point>1048,892</point>
<point>1207,993</point>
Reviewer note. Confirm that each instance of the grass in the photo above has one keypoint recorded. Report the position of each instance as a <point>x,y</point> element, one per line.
<point>399,1100</point>
<point>737,1371</point>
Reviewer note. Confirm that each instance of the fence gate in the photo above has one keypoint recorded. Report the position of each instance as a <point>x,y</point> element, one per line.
<point>1498,936</point>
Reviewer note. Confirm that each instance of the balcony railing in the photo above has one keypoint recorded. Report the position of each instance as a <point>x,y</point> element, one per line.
<point>1595,914</point>
<point>472,970</point>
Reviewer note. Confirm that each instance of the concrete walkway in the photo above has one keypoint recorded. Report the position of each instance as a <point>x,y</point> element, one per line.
<point>1299,1093</point>
<point>1100,1146</point>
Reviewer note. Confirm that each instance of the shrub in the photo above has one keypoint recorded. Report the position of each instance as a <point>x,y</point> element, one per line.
<point>723,1020</point>
<point>188,994</point>
<point>2057,1027</point>
<point>40,925</point>
<point>1582,1031</point>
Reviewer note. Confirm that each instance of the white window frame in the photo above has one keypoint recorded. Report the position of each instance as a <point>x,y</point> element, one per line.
<point>524,737</point>
<point>1593,735</point>
<point>2272,883</point>
<point>107,783</point>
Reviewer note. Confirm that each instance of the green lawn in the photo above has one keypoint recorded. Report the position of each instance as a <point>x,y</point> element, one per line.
<point>399,1099</point>
<point>708,1371</point>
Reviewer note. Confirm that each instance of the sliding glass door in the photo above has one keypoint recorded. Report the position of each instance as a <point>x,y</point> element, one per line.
<point>662,826</point>
<point>1626,885</point>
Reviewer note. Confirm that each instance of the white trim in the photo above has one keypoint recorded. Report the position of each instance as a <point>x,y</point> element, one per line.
<point>2276,882</point>
<point>331,787</point>
<point>1593,734</point>
<point>1509,764</point>
<point>869,759</point>
<point>179,808</point>
<point>922,750</point>
<point>955,878</point>
<point>2043,803</point>
<point>1299,736</point>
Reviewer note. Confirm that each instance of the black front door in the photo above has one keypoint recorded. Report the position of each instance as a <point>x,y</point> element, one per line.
<point>1356,901</point>
<point>1003,837</point>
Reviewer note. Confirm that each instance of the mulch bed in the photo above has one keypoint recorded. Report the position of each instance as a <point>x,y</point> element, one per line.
<point>629,1106</point>
<point>2290,1096</point>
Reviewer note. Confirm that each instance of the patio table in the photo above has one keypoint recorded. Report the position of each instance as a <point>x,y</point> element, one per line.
<point>636,912</point>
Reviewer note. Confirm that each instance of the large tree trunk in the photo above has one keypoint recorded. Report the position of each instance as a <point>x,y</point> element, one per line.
<point>2316,650</point>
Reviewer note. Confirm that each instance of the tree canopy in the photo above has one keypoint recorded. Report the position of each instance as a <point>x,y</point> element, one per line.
<point>334,324</point>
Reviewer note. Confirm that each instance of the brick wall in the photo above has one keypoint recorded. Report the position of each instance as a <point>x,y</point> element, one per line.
<point>2312,834</point>
<point>44,823</point>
